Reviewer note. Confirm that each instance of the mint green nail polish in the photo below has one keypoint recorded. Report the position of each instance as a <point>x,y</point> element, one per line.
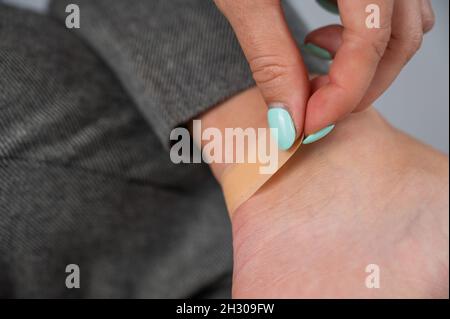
<point>317,51</point>
<point>329,5</point>
<point>318,135</point>
<point>280,119</point>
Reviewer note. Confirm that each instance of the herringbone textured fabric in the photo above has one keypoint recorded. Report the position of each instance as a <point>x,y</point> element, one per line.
<point>85,176</point>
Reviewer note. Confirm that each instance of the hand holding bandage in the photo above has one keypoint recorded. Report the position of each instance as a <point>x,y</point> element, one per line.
<point>242,178</point>
<point>371,47</point>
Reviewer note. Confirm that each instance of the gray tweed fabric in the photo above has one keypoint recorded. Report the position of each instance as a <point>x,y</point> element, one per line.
<point>85,176</point>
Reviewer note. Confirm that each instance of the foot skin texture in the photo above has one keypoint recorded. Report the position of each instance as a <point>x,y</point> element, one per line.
<point>365,195</point>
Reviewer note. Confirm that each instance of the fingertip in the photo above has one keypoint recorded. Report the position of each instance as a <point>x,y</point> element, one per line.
<point>327,106</point>
<point>328,38</point>
<point>281,122</point>
<point>317,51</point>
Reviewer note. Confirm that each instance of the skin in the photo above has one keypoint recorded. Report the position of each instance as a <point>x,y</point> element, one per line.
<point>366,61</point>
<point>366,194</point>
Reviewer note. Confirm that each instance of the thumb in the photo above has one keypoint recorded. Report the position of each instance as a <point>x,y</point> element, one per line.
<point>275,61</point>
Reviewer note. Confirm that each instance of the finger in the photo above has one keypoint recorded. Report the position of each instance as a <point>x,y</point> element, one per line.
<point>275,61</point>
<point>405,40</point>
<point>328,38</point>
<point>407,35</point>
<point>428,17</point>
<point>354,65</point>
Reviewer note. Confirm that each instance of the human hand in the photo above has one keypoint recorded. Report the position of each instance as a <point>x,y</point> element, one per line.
<point>366,61</point>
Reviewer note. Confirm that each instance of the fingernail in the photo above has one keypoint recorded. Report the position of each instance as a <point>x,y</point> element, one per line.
<point>329,5</point>
<point>318,135</point>
<point>317,51</point>
<point>280,119</point>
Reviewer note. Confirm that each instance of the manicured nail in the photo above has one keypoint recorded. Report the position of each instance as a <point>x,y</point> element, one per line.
<point>329,5</point>
<point>280,119</point>
<point>318,135</point>
<point>317,51</point>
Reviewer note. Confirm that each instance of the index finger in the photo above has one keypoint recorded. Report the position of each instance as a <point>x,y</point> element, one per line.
<point>355,62</point>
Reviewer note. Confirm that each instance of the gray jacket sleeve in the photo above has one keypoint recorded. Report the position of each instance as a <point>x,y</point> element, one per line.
<point>176,58</point>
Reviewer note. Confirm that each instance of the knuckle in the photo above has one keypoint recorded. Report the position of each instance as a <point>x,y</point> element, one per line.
<point>413,44</point>
<point>268,70</point>
<point>379,47</point>
<point>379,39</point>
<point>416,41</point>
<point>380,42</point>
<point>377,42</point>
<point>407,46</point>
<point>428,23</point>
